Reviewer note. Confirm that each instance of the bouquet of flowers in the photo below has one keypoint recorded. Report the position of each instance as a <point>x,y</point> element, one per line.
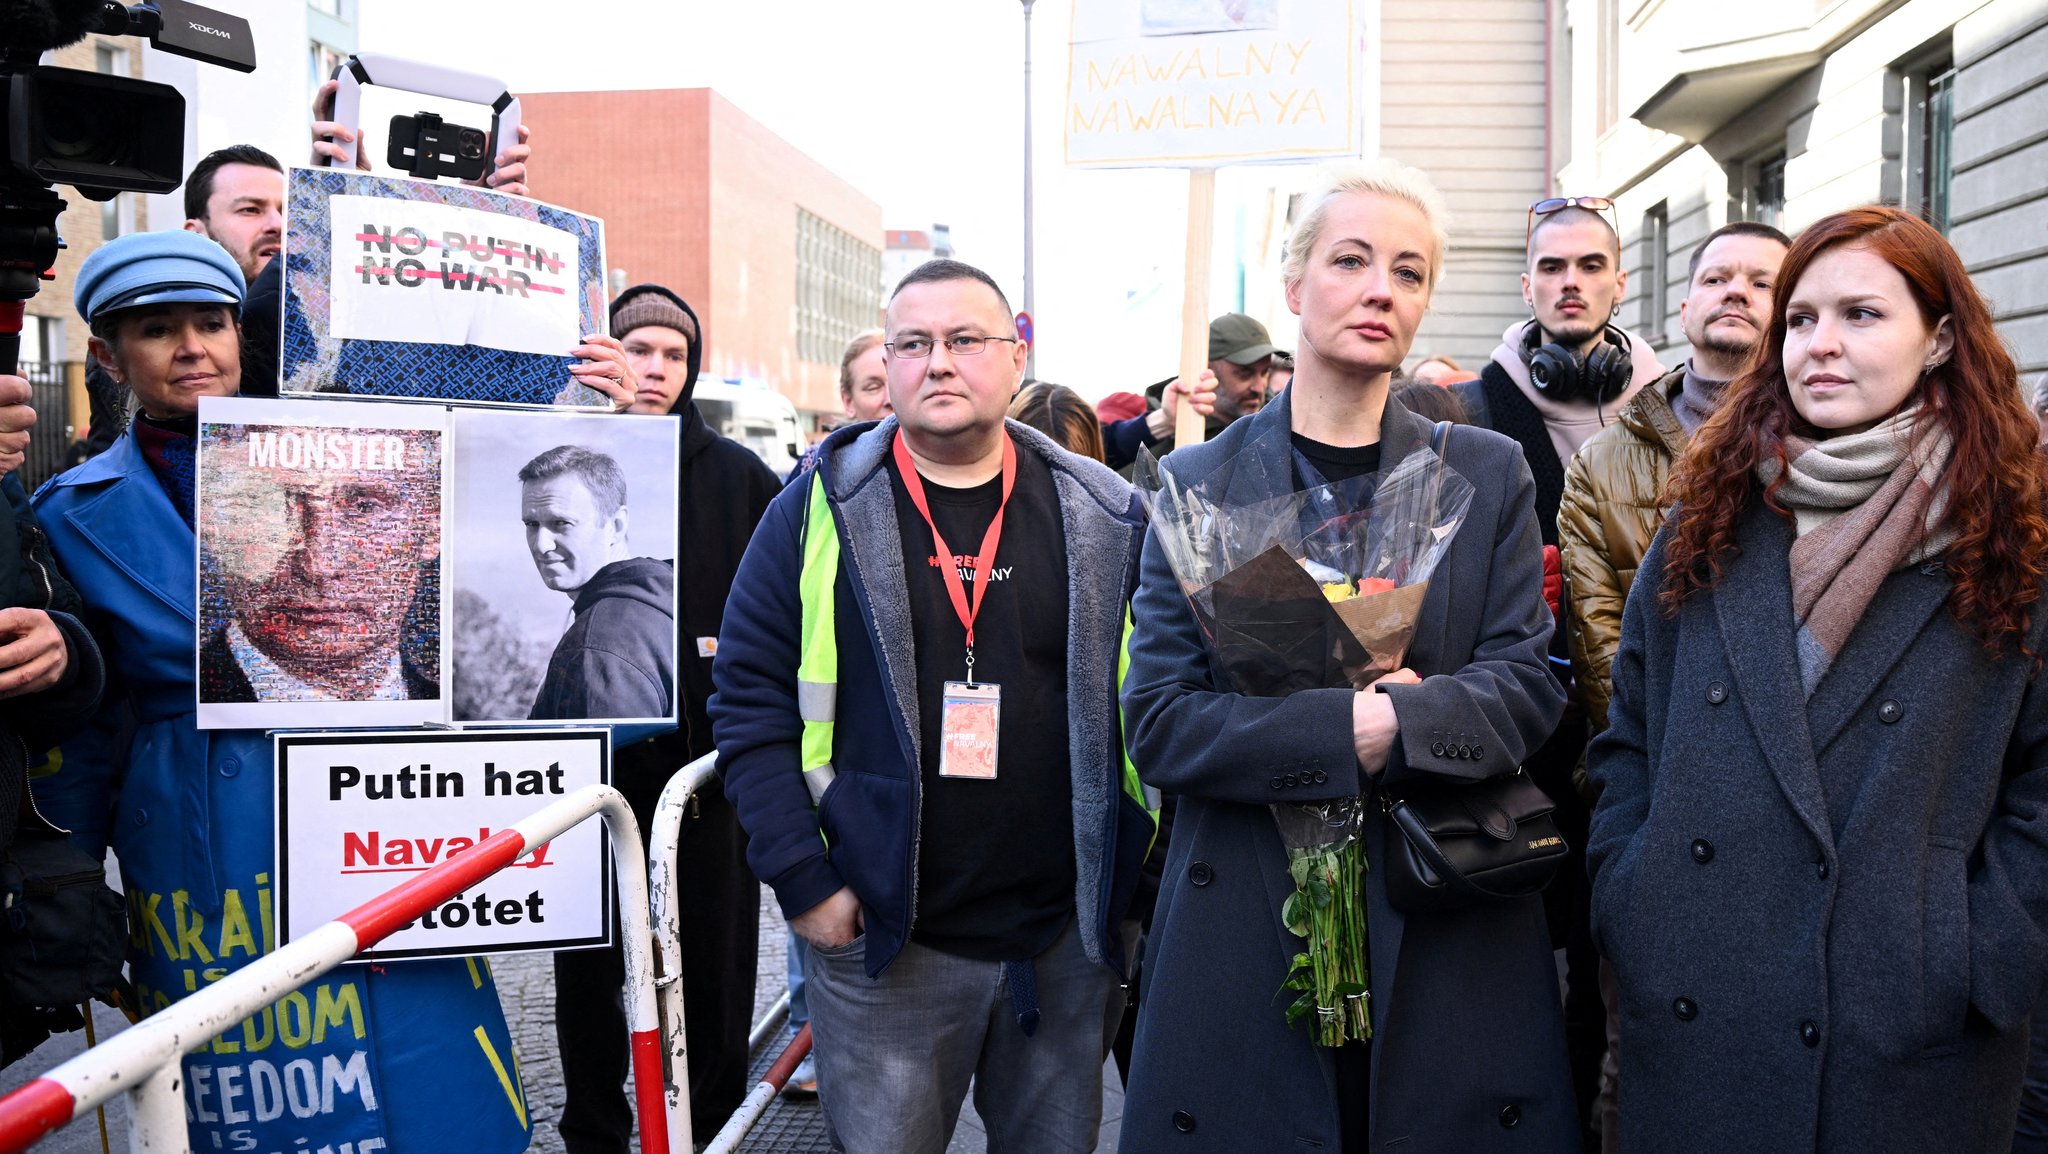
<point>1318,587</point>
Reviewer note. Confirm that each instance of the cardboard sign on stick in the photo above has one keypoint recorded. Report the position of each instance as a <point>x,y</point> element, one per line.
<point>1202,83</point>
<point>359,813</point>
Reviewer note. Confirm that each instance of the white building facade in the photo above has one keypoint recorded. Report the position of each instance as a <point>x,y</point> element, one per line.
<point>1692,113</point>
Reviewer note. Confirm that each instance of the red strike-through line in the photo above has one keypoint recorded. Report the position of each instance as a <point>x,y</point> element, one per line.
<point>387,270</point>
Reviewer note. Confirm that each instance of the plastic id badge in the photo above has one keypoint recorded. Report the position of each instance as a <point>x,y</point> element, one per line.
<point>969,720</point>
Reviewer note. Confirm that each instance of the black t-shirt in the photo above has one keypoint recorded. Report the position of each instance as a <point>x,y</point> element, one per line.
<point>1336,463</point>
<point>995,866</point>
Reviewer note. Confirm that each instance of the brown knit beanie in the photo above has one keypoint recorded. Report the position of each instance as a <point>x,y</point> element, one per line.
<point>651,308</point>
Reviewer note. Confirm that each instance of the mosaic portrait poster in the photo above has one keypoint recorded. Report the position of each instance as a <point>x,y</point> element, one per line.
<point>411,289</point>
<point>320,592</point>
<point>563,602</point>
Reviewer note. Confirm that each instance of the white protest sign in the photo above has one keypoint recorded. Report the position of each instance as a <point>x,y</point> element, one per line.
<point>407,270</point>
<point>359,813</point>
<point>1204,83</point>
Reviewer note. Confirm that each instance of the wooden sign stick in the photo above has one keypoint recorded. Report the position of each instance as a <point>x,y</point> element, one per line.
<point>1190,427</point>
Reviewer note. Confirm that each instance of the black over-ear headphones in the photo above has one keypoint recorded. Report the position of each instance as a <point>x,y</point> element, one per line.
<point>1601,376</point>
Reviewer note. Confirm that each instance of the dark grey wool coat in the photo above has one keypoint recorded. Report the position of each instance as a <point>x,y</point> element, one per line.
<point>1469,1050</point>
<point>1826,917</point>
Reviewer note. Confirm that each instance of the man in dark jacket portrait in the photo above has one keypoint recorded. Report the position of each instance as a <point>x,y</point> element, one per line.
<point>617,658</point>
<point>722,493</point>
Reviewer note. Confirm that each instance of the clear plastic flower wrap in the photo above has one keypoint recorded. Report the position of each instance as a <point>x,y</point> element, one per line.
<point>1301,583</point>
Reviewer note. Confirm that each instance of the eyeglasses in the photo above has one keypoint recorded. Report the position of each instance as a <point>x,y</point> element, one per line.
<point>1560,203</point>
<point>960,345</point>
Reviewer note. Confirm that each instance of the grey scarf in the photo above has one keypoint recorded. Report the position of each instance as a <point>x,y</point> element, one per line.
<point>1865,505</point>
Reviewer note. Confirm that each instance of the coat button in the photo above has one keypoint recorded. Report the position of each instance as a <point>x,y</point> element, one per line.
<point>1276,783</point>
<point>1478,752</point>
<point>1436,748</point>
<point>1465,753</point>
<point>139,818</point>
<point>1716,693</point>
<point>1184,1121</point>
<point>1822,868</point>
<point>1809,1033</point>
<point>1890,712</point>
<point>1702,851</point>
<point>229,767</point>
<point>1289,779</point>
<point>1321,776</point>
<point>1685,1008</point>
<point>1200,873</point>
<point>1510,1117</point>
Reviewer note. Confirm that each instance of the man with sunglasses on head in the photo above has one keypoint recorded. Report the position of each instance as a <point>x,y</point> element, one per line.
<point>917,721</point>
<point>1554,381</point>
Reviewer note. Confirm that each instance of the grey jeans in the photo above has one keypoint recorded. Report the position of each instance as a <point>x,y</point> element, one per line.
<point>895,1053</point>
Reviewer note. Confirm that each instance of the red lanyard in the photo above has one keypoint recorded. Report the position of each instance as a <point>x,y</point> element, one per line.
<point>984,560</point>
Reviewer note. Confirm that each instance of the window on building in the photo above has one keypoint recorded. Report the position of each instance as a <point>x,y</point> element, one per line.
<point>1656,270</point>
<point>1929,159</point>
<point>110,59</point>
<point>1762,197</point>
<point>321,61</point>
<point>42,340</point>
<point>117,216</point>
<point>330,7</point>
<point>838,288</point>
<point>1607,41</point>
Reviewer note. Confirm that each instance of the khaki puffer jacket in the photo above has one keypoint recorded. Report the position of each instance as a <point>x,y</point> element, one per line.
<point>1612,506</point>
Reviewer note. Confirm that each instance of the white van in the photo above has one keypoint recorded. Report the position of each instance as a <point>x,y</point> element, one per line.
<point>754,415</point>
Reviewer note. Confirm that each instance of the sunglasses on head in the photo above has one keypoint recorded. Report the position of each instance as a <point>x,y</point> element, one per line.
<point>1560,203</point>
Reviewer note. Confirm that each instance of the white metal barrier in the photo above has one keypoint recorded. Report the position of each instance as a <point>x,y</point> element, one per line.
<point>143,1061</point>
<point>663,839</point>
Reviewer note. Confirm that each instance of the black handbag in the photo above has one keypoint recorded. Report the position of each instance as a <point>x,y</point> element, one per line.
<point>63,931</point>
<point>1462,843</point>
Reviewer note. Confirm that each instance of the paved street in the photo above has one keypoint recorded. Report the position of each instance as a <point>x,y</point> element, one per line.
<point>526,986</point>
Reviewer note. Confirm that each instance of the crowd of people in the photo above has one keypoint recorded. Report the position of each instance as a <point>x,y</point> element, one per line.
<point>974,735</point>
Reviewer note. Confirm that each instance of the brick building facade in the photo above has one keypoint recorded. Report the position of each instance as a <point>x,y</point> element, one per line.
<point>779,256</point>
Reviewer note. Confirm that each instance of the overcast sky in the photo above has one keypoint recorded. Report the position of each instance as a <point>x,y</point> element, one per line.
<point>919,103</point>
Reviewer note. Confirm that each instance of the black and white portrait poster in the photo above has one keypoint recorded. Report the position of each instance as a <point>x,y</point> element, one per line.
<point>320,534</point>
<point>564,591</point>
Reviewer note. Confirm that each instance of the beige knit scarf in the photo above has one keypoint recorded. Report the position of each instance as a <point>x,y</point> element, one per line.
<point>1865,505</point>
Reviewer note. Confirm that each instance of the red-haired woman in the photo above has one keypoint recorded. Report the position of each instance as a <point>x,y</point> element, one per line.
<point>1820,860</point>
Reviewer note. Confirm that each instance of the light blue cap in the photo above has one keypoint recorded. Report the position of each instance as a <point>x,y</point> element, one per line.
<point>147,268</point>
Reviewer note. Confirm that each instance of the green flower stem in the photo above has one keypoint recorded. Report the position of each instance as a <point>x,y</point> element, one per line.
<point>1328,911</point>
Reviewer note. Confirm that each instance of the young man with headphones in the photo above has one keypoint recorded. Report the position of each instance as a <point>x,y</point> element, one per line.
<point>1553,382</point>
<point>1557,379</point>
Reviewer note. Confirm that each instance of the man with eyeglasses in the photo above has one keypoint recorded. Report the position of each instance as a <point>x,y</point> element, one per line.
<point>916,718</point>
<point>1554,381</point>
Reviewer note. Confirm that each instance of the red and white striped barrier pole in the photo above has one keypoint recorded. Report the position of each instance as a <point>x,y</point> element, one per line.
<point>143,1060</point>
<point>763,1094</point>
<point>663,837</point>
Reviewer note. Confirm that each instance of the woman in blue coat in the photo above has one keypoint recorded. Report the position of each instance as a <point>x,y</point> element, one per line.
<point>1468,1046</point>
<point>397,1056</point>
<point>1820,854</point>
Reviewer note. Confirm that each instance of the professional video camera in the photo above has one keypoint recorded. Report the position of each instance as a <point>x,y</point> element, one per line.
<point>100,134</point>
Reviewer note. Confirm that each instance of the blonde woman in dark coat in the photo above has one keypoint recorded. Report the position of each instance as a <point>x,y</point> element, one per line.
<point>1467,1054</point>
